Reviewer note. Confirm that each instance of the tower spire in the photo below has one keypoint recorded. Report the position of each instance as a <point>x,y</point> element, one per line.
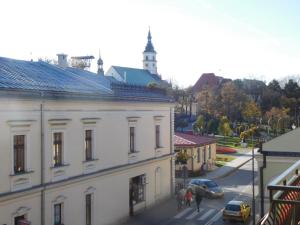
<point>100,65</point>
<point>149,56</point>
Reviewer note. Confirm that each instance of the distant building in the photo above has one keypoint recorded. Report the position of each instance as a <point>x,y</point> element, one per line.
<point>144,77</point>
<point>208,80</point>
<point>200,151</point>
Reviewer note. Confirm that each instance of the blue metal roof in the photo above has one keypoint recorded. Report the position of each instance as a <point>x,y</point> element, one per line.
<point>27,75</point>
<point>137,76</point>
<point>26,78</point>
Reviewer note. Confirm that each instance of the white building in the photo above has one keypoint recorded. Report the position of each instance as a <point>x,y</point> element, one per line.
<point>277,155</point>
<point>77,149</point>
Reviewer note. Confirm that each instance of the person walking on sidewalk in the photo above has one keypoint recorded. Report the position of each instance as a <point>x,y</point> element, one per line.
<point>180,198</point>
<point>188,197</point>
<point>198,197</point>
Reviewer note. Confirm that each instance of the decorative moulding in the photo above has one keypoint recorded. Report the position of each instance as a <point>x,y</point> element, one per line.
<point>59,199</point>
<point>133,118</point>
<point>57,122</point>
<point>90,120</point>
<point>90,190</point>
<point>21,211</point>
<point>158,117</point>
<point>20,123</point>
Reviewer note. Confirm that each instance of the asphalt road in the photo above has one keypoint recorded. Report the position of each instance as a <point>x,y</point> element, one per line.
<point>237,186</point>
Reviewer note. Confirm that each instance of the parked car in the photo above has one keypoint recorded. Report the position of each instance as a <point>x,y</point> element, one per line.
<point>211,188</point>
<point>237,210</point>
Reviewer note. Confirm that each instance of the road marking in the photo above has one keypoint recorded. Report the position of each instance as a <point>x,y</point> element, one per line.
<point>179,215</point>
<point>207,214</point>
<point>194,214</point>
<point>215,218</point>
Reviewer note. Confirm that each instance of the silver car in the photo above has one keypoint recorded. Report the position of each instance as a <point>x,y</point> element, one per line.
<point>211,188</point>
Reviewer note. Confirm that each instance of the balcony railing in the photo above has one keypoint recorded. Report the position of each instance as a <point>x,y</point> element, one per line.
<point>284,198</point>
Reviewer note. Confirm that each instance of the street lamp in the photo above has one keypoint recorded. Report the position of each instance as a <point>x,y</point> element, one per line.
<point>253,186</point>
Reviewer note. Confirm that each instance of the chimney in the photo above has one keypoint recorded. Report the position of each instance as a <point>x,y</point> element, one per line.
<point>62,60</point>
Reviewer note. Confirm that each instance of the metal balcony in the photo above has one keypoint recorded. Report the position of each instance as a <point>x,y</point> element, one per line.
<point>284,198</point>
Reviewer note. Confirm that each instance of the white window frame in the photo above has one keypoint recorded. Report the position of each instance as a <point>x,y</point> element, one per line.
<point>26,150</point>
<point>63,146</point>
<point>23,210</point>
<point>133,122</point>
<point>58,200</point>
<point>158,121</point>
<point>93,143</point>
<point>90,190</point>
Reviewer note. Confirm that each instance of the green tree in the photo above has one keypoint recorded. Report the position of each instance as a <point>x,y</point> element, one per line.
<point>251,112</point>
<point>200,124</point>
<point>291,89</point>
<point>224,127</point>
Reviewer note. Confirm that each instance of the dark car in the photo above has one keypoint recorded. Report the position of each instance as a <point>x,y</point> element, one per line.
<point>211,188</point>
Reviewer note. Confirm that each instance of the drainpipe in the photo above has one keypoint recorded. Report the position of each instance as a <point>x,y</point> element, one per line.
<point>42,164</point>
<point>262,190</point>
<point>171,152</point>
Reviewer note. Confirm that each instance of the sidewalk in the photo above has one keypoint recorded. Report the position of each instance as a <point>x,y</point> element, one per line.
<point>225,170</point>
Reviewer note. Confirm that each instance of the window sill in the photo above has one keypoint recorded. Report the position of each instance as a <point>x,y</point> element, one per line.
<point>21,173</point>
<point>60,166</point>
<point>90,160</point>
<point>132,153</point>
<point>160,147</point>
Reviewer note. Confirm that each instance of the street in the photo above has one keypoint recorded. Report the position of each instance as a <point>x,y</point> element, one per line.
<point>237,186</point>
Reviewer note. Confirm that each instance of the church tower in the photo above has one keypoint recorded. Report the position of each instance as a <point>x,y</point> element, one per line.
<point>100,65</point>
<point>149,55</point>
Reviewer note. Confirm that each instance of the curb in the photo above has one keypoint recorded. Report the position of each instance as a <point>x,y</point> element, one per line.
<point>232,170</point>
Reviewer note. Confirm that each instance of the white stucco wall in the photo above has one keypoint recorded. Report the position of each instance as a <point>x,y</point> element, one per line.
<point>111,128</point>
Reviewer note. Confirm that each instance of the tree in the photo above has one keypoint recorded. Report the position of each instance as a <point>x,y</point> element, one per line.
<point>276,118</point>
<point>251,111</point>
<point>291,89</point>
<point>274,86</point>
<point>224,127</point>
<point>231,101</point>
<point>182,123</point>
<point>199,124</point>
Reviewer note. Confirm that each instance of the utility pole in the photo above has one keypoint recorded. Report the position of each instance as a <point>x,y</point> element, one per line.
<point>253,184</point>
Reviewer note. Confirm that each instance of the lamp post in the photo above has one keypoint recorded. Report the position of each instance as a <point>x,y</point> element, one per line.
<point>253,184</point>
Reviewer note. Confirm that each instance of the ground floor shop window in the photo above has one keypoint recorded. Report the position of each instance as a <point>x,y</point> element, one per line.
<point>138,188</point>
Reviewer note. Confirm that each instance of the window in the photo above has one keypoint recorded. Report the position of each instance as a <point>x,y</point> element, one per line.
<point>146,64</point>
<point>204,154</point>
<point>198,154</point>
<point>146,57</point>
<point>19,153</point>
<point>132,139</point>
<point>138,188</point>
<point>88,145</point>
<point>209,151</point>
<point>157,136</point>
<point>88,209</point>
<point>58,214</point>
<point>57,149</point>
<point>18,219</point>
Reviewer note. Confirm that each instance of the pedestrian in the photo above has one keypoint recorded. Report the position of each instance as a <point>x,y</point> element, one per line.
<point>198,198</point>
<point>180,199</point>
<point>188,197</point>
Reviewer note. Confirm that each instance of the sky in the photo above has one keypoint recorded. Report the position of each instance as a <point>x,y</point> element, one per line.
<point>232,38</point>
